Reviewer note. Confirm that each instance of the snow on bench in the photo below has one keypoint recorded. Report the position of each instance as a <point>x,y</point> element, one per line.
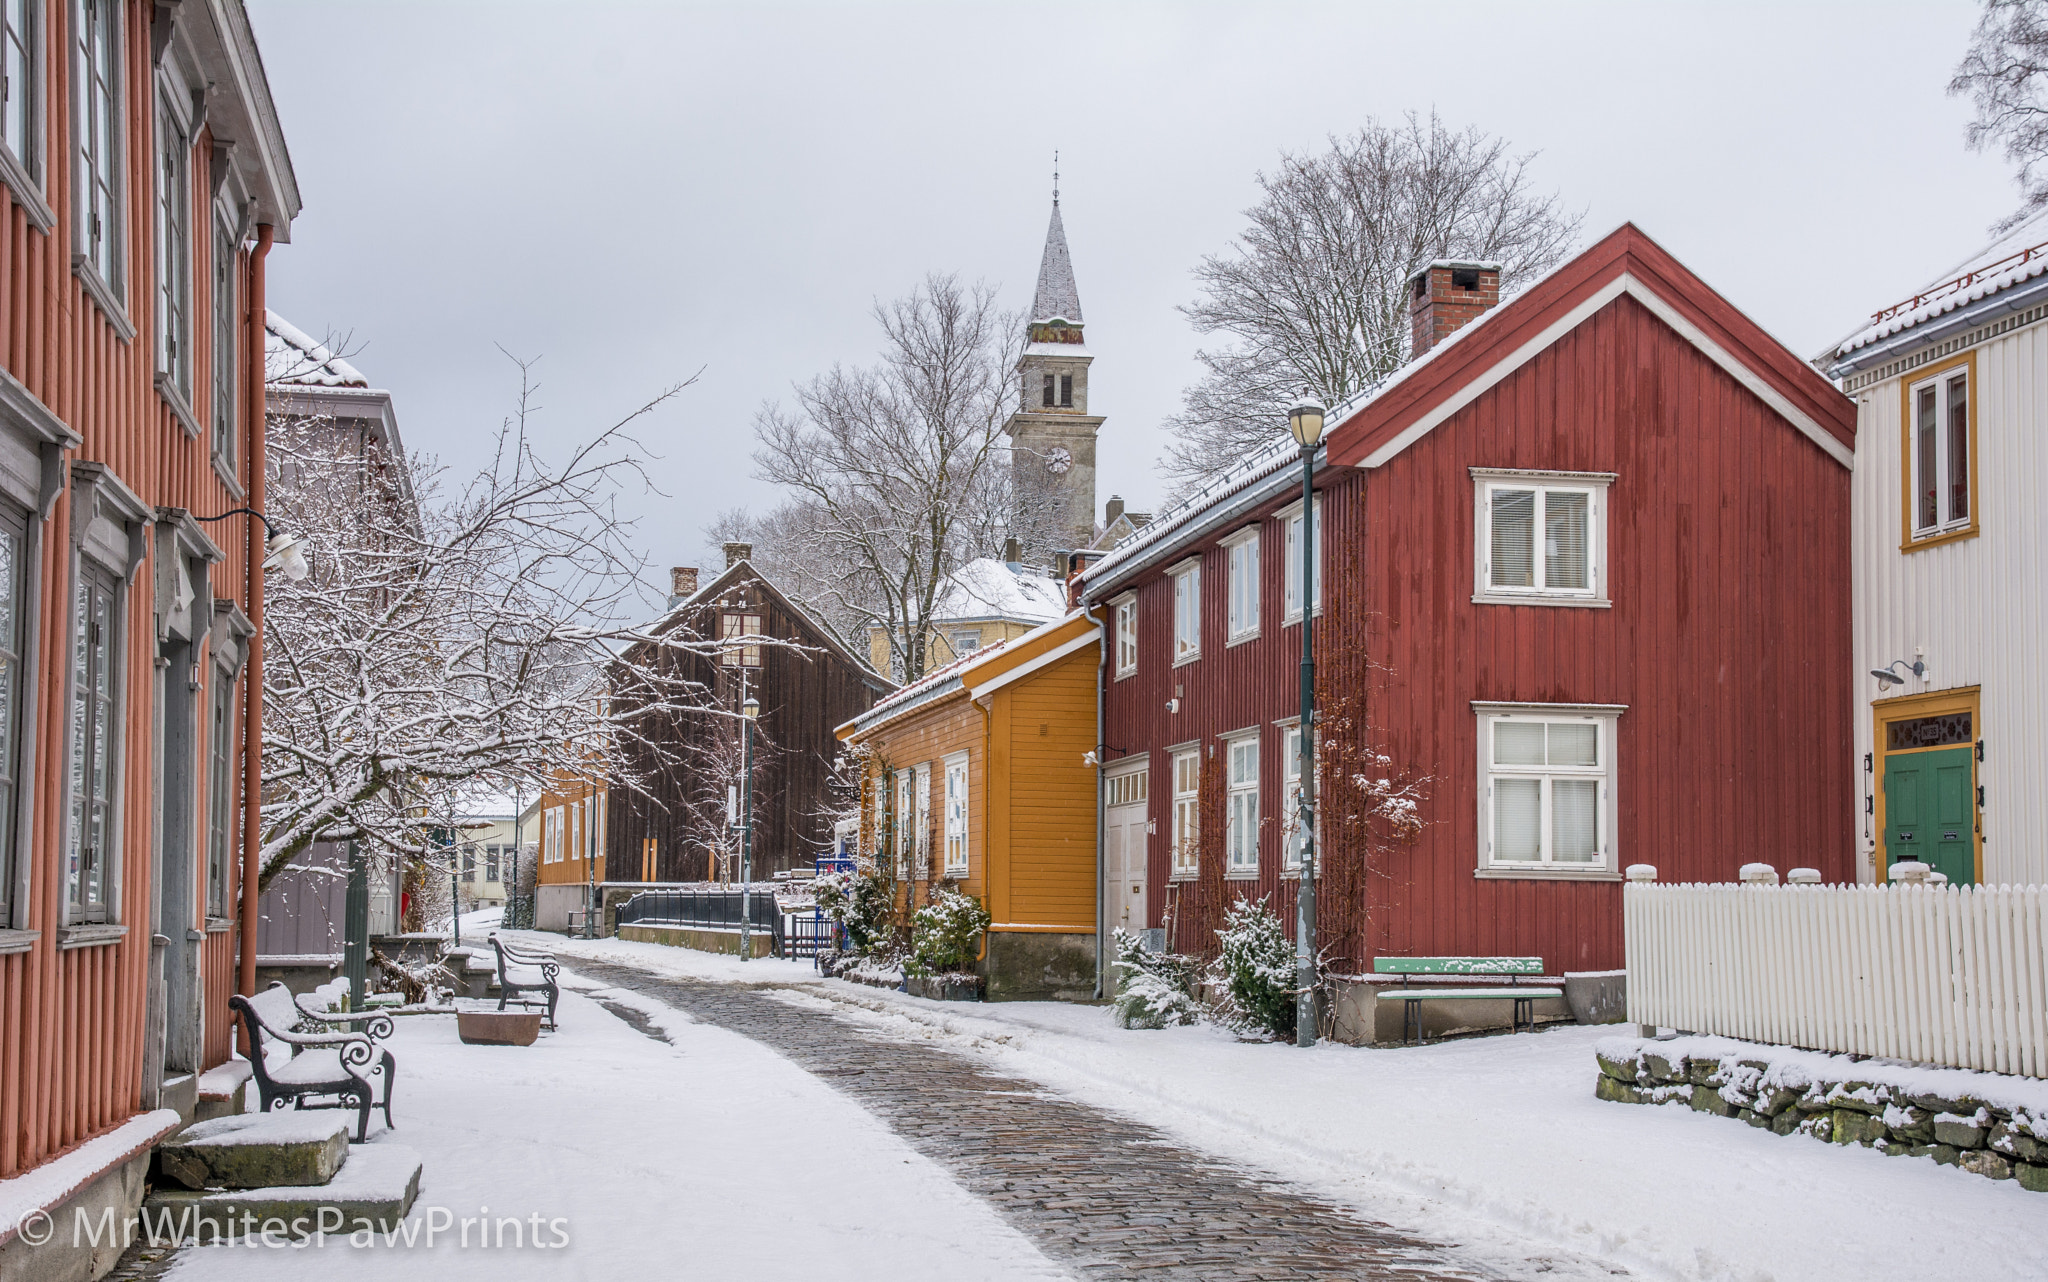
<point>1524,999</point>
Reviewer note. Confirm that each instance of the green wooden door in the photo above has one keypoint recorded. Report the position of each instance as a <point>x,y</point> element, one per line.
<point>1929,813</point>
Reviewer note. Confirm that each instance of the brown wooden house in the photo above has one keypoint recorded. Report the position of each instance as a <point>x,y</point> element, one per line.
<point>807,683</point>
<point>1583,576</point>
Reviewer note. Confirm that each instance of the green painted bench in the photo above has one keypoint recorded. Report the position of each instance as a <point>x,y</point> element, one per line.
<point>1524,999</point>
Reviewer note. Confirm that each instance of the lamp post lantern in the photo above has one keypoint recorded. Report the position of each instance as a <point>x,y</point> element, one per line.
<point>1306,422</point>
<point>749,711</point>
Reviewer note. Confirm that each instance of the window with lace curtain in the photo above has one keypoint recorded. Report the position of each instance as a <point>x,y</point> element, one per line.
<point>1547,788</point>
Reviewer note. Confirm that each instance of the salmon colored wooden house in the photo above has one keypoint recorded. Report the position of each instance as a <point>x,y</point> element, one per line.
<point>1584,576</point>
<point>146,178</point>
<point>979,775</point>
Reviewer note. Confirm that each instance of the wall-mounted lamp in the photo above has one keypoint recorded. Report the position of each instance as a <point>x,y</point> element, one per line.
<point>1887,676</point>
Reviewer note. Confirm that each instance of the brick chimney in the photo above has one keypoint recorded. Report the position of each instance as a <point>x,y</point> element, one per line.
<point>736,553</point>
<point>682,582</point>
<point>1448,295</point>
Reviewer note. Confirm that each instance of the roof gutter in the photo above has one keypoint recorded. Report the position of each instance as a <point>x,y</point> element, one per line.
<point>1258,494</point>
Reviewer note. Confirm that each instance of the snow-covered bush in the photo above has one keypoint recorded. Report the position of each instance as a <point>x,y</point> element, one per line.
<point>861,901</point>
<point>1257,965</point>
<point>1153,990</point>
<point>942,933</point>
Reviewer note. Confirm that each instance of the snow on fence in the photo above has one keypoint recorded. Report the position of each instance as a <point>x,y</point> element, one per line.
<point>1936,974</point>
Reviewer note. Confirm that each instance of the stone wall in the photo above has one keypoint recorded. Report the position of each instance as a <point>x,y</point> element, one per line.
<point>705,939</point>
<point>1985,1123</point>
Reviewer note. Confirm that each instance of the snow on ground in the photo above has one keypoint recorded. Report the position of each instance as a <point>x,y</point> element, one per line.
<point>1492,1142</point>
<point>711,1157</point>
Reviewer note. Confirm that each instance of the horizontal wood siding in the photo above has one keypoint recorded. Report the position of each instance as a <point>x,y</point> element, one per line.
<point>1051,851</point>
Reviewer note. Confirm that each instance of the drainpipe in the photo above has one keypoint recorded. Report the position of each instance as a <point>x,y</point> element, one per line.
<point>252,671</point>
<point>1101,795</point>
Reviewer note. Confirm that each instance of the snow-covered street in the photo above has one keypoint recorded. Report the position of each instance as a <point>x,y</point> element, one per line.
<point>637,1128</point>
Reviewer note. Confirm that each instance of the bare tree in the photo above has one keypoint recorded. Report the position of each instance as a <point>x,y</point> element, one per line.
<point>896,471</point>
<point>2005,74</point>
<point>1314,289</point>
<point>449,637</point>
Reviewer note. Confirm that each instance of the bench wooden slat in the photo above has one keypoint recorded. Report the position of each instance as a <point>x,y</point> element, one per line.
<point>1466,994</point>
<point>1457,965</point>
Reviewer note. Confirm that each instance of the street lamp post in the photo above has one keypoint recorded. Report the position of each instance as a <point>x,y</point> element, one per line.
<point>1306,421</point>
<point>749,711</point>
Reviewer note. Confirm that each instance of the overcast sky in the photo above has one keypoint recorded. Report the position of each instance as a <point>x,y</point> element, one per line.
<point>632,192</point>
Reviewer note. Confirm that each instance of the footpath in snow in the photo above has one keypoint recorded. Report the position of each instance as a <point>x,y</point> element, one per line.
<point>706,1156</point>
<point>1490,1142</point>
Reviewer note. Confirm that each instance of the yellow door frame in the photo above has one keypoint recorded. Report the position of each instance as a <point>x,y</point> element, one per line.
<point>1908,707</point>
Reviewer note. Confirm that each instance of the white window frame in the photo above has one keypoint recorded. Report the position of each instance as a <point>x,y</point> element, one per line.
<point>1487,480</point>
<point>1241,805</point>
<point>551,837</point>
<point>221,725</point>
<point>736,653</point>
<point>94,723</point>
<point>1131,787</point>
<point>226,415</point>
<point>1187,610</point>
<point>1945,522</point>
<point>1290,800</point>
<point>956,815</point>
<point>1607,719</point>
<point>1126,620</point>
<point>1242,551</point>
<point>921,834</point>
<point>98,165</point>
<point>1290,523</point>
<point>1185,777</point>
<point>23,68</point>
<point>174,255</point>
<point>965,641</point>
<point>906,811</point>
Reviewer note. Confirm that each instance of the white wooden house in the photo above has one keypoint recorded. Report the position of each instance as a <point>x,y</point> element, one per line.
<point>1950,565</point>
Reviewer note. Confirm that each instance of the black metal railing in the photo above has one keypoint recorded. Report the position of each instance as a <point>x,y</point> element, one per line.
<point>717,909</point>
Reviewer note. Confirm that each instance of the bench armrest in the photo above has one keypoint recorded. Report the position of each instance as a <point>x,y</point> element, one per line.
<point>375,1024</point>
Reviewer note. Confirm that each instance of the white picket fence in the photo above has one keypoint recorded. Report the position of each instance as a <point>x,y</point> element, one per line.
<point>1948,975</point>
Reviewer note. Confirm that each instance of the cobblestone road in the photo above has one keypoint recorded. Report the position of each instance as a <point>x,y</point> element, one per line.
<point>1105,1196</point>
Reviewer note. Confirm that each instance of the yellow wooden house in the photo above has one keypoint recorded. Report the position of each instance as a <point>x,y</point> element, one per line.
<point>980,775</point>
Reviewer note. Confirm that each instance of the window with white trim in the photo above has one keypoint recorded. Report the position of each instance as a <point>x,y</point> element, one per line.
<point>1290,800</point>
<point>96,140</point>
<point>956,815</point>
<point>551,836</point>
<point>732,627</point>
<point>906,807</point>
<point>921,831</point>
<point>1187,828</point>
<point>220,784</point>
<point>174,253</point>
<point>1187,612</point>
<point>1539,536</point>
<point>1126,635</point>
<point>14,571</point>
<point>226,395</point>
<point>1548,794</point>
<point>95,732</point>
<point>1241,806</point>
<point>1291,518</point>
<point>1126,789</point>
<point>21,83</point>
<point>1941,454</point>
<point>966,641</point>
<point>1244,584</point>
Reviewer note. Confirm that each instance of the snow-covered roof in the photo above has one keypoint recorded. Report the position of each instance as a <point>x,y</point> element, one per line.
<point>2019,255</point>
<point>931,685</point>
<point>291,356</point>
<point>986,588</point>
<point>1058,298</point>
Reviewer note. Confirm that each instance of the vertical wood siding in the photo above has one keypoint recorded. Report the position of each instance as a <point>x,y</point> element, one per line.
<point>72,1021</point>
<point>1977,606</point>
<point>1728,558</point>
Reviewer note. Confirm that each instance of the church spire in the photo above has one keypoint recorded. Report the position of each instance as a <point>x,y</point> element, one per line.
<point>1058,299</point>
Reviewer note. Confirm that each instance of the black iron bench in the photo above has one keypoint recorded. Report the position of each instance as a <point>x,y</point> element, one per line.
<point>521,972</point>
<point>325,1069</point>
<point>1522,1012</point>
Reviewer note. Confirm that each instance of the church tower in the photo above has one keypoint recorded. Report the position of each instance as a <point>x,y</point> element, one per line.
<point>1052,434</point>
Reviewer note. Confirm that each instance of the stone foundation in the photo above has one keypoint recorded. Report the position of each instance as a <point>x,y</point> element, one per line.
<point>704,939</point>
<point>1985,1123</point>
<point>1039,966</point>
<point>1362,1019</point>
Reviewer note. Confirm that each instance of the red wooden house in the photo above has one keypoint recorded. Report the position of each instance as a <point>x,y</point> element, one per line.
<point>1585,581</point>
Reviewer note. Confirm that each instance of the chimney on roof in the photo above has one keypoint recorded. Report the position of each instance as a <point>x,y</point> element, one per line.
<point>1013,554</point>
<point>737,552</point>
<point>1112,510</point>
<point>682,582</point>
<point>1446,296</point>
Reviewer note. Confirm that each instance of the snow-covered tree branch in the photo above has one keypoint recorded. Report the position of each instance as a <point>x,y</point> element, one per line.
<point>454,634</point>
<point>2005,75</point>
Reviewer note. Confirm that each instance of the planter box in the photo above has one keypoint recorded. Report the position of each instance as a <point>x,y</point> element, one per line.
<point>498,1027</point>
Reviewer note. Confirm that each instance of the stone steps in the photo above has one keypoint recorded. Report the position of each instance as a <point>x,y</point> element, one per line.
<point>292,1174</point>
